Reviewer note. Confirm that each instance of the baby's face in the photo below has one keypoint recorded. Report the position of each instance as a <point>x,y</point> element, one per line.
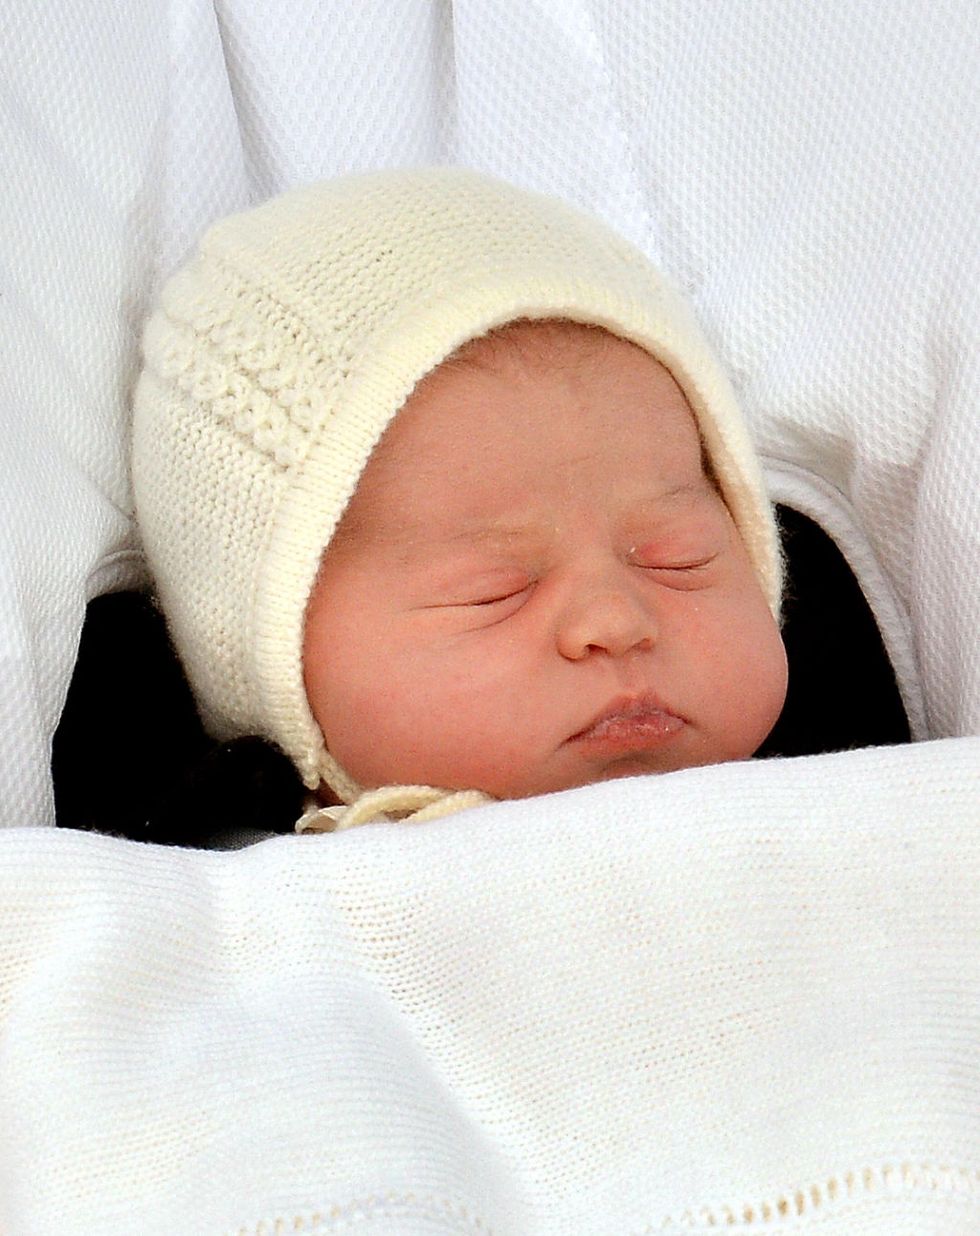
<point>536,586</point>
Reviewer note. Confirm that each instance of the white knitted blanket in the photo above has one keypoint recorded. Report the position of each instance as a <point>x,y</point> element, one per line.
<point>745,998</point>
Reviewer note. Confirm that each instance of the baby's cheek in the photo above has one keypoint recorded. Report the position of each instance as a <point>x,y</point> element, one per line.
<point>462,733</point>
<point>772,702</point>
<point>757,694</point>
<point>388,724</point>
<point>735,679</point>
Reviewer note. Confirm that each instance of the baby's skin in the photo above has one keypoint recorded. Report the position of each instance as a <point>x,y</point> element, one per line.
<point>537,584</point>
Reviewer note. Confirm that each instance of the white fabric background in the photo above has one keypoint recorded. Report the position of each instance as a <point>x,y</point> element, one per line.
<point>454,1018</point>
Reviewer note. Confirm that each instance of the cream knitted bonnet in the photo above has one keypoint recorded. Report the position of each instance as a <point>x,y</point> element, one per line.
<point>278,356</point>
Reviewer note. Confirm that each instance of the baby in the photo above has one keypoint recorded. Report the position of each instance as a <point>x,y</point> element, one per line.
<point>445,494</point>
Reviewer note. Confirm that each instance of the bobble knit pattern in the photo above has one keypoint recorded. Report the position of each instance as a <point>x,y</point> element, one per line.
<point>279,355</point>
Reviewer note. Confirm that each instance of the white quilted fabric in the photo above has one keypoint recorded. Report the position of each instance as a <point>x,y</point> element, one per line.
<point>743,997</point>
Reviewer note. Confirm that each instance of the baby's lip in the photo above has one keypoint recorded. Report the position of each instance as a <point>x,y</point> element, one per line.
<point>630,723</point>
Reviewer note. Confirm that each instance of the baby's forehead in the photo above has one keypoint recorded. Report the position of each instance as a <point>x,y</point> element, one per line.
<point>621,379</point>
<point>620,382</point>
<point>477,377</point>
<point>530,344</point>
<point>510,410</point>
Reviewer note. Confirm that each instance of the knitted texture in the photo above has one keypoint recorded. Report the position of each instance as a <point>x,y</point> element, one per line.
<point>280,354</point>
<point>732,999</point>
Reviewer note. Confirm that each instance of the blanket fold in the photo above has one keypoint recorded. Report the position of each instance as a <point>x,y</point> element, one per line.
<point>743,997</point>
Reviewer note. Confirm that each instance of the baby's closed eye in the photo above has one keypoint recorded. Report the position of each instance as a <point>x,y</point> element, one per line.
<point>496,589</point>
<point>676,566</point>
<point>497,596</point>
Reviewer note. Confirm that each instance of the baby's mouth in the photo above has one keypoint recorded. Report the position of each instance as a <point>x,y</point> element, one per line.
<point>629,723</point>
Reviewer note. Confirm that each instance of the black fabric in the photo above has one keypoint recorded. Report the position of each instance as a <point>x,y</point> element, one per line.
<point>842,690</point>
<point>130,756</point>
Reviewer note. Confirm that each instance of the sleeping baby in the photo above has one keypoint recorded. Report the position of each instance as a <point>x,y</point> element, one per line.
<point>444,493</point>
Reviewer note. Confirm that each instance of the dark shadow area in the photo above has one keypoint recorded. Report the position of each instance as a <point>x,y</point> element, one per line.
<point>130,756</point>
<point>842,689</point>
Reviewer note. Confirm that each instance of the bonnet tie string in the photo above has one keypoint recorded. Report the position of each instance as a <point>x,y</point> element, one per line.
<point>411,803</point>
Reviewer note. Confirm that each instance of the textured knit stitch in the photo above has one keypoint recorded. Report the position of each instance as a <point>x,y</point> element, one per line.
<point>741,998</point>
<point>279,355</point>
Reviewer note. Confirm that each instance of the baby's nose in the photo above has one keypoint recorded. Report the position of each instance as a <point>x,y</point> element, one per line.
<point>606,617</point>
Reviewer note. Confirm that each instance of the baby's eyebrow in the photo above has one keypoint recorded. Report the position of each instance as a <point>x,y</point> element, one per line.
<point>407,539</point>
<point>697,487</point>
<point>667,502</point>
<point>681,490</point>
<point>511,536</point>
<point>490,540</point>
<point>492,534</point>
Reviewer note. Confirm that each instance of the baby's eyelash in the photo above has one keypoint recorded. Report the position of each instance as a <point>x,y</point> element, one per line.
<point>496,599</point>
<point>480,599</point>
<point>687,566</point>
<point>691,564</point>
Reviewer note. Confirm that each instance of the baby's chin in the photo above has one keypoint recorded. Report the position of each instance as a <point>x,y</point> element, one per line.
<point>630,764</point>
<point>534,783</point>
